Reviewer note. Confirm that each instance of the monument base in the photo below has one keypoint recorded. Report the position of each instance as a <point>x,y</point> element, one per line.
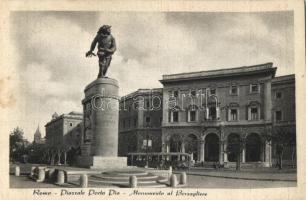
<point>99,162</point>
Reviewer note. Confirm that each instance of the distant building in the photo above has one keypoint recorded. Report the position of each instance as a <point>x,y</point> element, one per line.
<point>64,130</point>
<point>140,119</point>
<point>37,137</point>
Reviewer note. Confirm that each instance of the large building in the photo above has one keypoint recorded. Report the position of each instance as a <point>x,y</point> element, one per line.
<point>204,112</point>
<point>64,131</point>
<point>140,119</point>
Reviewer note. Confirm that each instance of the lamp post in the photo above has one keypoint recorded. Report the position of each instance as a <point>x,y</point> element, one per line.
<point>147,145</point>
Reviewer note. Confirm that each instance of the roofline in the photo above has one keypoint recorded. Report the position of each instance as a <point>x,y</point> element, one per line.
<point>223,69</point>
<point>65,116</point>
<point>284,79</point>
<point>142,91</point>
<point>239,73</point>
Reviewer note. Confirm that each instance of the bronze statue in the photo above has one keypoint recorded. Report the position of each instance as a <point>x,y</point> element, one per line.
<point>106,48</point>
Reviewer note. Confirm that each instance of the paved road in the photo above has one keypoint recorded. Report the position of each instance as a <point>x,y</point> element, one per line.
<point>255,174</point>
<point>25,182</point>
<point>201,180</point>
<point>194,181</point>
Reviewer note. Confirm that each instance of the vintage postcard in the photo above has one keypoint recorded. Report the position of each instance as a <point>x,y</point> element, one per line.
<point>152,99</point>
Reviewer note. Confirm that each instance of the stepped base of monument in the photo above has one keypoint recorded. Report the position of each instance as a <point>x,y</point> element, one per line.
<point>99,162</point>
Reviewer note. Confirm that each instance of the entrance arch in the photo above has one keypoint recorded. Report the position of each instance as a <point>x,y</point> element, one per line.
<point>233,146</point>
<point>212,147</point>
<point>253,148</point>
<point>191,145</point>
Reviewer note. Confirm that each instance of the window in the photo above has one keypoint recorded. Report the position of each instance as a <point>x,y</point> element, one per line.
<point>193,93</point>
<point>192,116</point>
<point>233,114</point>
<point>234,90</point>
<point>160,120</point>
<point>278,115</point>
<point>212,113</point>
<point>129,108</point>
<point>212,91</point>
<point>123,123</point>
<point>157,102</point>
<point>254,88</point>
<point>70,124</point>
<point>254,113</point>
<point>147,104</point>
<point>135,122</point>
<point>129,123</point>
<point>136,105</point>
<point>148,119</point>
<point>147,143</point>
<point>175,93</point>
<point>175,116</point>
<point>278,95</point>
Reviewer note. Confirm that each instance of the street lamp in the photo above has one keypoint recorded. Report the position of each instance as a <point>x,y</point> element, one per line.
<point>147,145</point>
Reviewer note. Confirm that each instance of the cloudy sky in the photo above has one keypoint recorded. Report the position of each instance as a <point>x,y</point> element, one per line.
<point>49,48</point>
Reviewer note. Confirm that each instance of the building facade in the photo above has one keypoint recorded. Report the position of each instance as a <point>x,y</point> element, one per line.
<point>140,119</point>
<point>204,112</point>
<point>64,131</point>
<point>283,112</point>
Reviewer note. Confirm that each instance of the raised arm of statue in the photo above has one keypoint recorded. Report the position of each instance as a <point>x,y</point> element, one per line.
<point>92,46</point>
<point>94,43</point>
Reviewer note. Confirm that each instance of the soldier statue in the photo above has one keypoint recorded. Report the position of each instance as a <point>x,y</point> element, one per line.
<point>106,48</point>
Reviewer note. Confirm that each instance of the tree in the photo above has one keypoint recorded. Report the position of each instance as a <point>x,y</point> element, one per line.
<point>37,153</point>
<point>281,138</point>
<point>17,144</point>
<point>236,146</point>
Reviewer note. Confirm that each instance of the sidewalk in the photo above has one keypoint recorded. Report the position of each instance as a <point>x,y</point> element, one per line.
<point>263,174</point>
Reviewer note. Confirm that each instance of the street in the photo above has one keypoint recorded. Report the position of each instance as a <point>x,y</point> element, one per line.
<point>194,181</point>
<point>197,181</point>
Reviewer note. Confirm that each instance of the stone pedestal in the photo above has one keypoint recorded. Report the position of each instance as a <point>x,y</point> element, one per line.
<point>101,116</point>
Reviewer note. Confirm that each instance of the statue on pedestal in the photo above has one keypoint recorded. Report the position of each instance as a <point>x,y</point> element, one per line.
<point>106,48</point>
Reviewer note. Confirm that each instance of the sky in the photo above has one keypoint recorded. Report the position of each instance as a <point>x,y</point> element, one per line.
<point>52,71</point>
